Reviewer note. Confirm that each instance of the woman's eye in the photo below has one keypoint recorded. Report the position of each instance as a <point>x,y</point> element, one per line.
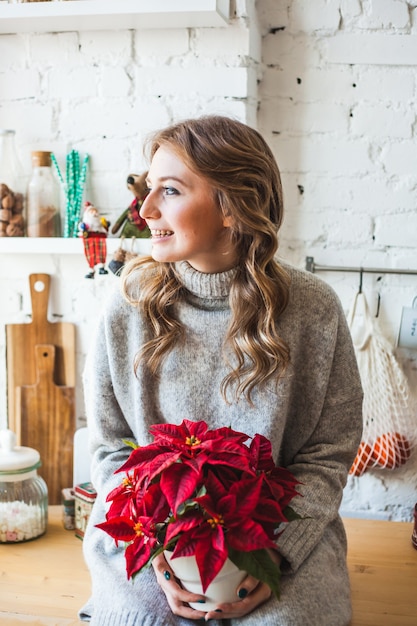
<point>170,191</point>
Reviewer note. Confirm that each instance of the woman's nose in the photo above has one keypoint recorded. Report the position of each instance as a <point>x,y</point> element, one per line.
<point>148,208</point>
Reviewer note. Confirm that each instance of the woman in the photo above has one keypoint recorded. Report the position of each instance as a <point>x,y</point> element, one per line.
<point>213,327</point>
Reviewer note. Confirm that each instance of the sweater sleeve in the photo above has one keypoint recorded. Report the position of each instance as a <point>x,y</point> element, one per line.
<point>328,411</point>
<point>107,424</point>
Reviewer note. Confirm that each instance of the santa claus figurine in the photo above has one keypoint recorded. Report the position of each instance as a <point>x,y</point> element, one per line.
<point>94,229</point>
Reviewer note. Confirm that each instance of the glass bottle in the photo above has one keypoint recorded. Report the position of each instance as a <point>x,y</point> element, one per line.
<point>23,493</point>
<point>43,216</point>
<point>11,187</point>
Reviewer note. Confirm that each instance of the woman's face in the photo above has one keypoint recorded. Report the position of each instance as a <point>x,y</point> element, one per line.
<point>184,218</point>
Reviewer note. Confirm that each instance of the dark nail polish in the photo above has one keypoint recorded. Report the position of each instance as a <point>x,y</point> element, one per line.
<point>167,575</point>
<point>201,601</point>
<point>242,593</point>
<point>218,611</point>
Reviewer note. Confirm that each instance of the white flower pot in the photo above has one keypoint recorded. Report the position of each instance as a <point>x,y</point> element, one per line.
<point>222,589</point>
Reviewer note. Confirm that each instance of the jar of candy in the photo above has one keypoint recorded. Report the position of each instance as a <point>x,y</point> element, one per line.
<point>43,213</point>
<point>23,493</point>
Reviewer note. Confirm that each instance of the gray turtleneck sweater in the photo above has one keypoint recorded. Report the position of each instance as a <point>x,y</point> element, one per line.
<point>313,420</point>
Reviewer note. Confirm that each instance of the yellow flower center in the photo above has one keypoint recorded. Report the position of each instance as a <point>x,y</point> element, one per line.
<point>126,482</point>
<point>138,529</point>
<point>192,441</point>
<point>216,521</point>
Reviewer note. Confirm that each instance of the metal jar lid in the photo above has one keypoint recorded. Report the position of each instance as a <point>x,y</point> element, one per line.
<point>16,459</point>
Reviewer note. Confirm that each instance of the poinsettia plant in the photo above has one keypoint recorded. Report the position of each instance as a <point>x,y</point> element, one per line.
<point>202,492</point>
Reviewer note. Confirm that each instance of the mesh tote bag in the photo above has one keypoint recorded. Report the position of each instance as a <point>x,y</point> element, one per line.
<point>389,434</point>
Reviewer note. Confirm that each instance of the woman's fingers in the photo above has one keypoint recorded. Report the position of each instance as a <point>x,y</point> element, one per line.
<point>177,597</point>
<point>253,598</point>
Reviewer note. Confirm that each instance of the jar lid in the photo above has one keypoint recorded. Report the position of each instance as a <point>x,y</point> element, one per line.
<point>13,458</point>
<point>41,158</point>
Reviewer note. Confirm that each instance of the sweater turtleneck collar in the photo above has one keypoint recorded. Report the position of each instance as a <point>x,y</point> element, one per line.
<point>207,286</point>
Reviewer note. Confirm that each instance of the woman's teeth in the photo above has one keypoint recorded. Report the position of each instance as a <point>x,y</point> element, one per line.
<point>161,233</point>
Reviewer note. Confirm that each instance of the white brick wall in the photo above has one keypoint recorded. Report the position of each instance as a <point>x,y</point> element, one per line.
<point>337,90</point>
<point>337,103</point>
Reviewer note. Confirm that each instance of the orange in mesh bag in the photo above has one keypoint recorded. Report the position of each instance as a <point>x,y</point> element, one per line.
<point>389,432</point>
<point>390,450</point>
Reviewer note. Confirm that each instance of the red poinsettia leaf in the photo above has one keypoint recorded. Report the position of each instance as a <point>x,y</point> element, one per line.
<point>269,511</point>
<point>188,541</point>
<point>183,526</point>
<point>121,491</point>
<point>248,536</point>
<point>120,528</point>
<point>231,458</point>
<point>261,453</point>
<point>211,556</point>
<point>161,463</point>
<point>140,455</point>
<point>137,556</point>
<point>179,435</point>
<point>208,547</point>
<point>155,504</point>
<point>179,483</point>
<point>246,492</point>
<point>121,507</point>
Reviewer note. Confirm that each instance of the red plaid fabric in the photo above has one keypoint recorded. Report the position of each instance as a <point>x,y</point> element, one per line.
<point>95,248</point>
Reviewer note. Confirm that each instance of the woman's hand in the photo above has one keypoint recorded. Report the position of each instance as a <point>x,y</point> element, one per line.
<point>176,596</point>
<point>250,594</point>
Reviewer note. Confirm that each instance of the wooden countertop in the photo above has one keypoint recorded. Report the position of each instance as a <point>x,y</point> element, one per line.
<point>44,582</point>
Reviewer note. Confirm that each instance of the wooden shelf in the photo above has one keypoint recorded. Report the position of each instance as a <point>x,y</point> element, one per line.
<point>79,15</point>
<point>60,245</point>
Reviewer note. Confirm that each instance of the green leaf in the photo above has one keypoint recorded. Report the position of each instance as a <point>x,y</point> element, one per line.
<point>131,444</point>
<point>290,514</point>
<point>258,564</point>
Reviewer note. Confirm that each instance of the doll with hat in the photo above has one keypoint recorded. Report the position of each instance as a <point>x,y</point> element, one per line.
<point>94,229</point>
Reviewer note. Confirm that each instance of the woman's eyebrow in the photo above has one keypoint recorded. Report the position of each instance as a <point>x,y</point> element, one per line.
<point>162,179</point>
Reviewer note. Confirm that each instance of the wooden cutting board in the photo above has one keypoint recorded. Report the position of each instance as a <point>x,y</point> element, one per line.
<point>21,340</point>
<point>45,415</point>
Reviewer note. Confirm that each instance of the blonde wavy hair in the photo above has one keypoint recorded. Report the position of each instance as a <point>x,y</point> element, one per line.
<point>237,162</point>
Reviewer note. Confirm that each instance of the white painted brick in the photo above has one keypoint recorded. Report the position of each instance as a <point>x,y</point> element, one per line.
<point>350,9</point>
<point>201,80</point>
<point>331,228</point>
<point>96,118</point>
<point>383,121</point>
<point>331,156</point>
<point>95,47</point>
<point>308,118</point>
<point>272,15</point>
<point>69,82</point>
<point>50,49</point>
<point>378,195</point>
<point>372,49</point>
<point>387,14</point>
<point>325,15</point>
<point>400,158</point>
<point>314,85</point>
<point>161,44</point>
<point>19,84</point>
<point>396,230</point>
<point>21,114</point>
<point>224,45</point>
<point>390,84</point>
<point>114,82</point>
<point>12,53</point>
<point>288,51</point>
